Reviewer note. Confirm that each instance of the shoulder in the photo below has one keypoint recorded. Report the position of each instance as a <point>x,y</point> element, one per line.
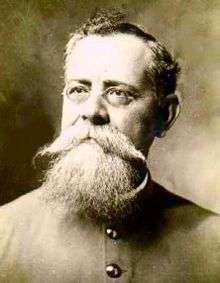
<point>191,234</point>
<point>21,206</point>
<point>197,222</point>
<point>186,220</point>
<point>183,215</point>
<point>17,216</point>
<point>194,233</point>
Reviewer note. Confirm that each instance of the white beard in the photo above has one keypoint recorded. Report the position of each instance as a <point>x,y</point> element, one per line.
<point>93,179</point>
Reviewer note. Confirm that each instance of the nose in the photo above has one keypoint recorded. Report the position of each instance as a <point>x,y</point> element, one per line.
<point>95,111</point>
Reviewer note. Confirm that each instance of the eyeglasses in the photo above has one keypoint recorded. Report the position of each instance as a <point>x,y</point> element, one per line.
<point>115,96</point>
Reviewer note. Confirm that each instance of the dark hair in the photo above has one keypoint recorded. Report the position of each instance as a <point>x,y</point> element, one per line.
<point>163,70</point>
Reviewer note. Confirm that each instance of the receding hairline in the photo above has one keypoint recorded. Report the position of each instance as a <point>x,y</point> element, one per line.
<point>163,71</point>
<point>133,38</point>
<point>147,52</point>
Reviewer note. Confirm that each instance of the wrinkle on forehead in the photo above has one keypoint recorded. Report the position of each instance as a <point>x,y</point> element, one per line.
<point>119,57</point>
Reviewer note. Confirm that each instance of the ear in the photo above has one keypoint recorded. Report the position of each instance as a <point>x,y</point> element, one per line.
<point>172,106</point>
<point>169,111</point>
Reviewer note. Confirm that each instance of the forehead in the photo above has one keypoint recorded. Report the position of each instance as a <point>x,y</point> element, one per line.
<point>118,57</point>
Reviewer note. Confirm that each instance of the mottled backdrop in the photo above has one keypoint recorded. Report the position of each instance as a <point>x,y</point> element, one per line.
<point>32,39</point>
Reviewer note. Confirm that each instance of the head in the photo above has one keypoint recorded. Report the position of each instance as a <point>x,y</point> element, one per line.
<point>131,76</point>
<point>119,95</point>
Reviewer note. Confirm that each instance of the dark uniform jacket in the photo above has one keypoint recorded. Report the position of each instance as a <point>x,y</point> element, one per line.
<point>170,240</point>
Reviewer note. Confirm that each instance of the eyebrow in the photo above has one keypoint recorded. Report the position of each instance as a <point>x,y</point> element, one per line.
<point>82,81</point>
<point>110,83</point>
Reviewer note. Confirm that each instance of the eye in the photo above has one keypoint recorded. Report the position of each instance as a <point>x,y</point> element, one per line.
<point>118,97</point>
<point>77,93</point>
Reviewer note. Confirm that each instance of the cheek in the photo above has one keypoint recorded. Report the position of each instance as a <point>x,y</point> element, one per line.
<point>137,123</point>
<point>70,113</point>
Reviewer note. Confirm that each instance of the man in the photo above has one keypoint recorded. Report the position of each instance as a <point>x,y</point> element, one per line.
<point>98,216</point>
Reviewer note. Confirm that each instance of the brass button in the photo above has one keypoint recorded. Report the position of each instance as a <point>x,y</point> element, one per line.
<point>113,270</point>
<point>112,233</point>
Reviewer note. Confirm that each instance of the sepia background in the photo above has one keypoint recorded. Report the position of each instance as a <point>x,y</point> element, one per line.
<point>32,38</point>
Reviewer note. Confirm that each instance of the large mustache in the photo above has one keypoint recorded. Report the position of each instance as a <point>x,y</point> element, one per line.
<point>107,137</point>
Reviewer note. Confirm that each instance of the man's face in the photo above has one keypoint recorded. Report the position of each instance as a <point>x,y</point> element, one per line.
<point>106,84</point>
<point>108,119</point>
